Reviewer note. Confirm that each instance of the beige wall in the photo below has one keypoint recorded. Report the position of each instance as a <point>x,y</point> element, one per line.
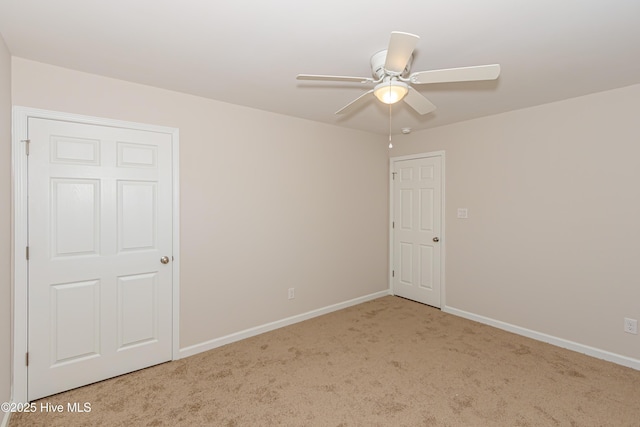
<point>5,224</point>
<point>268,202</point>
<point>553,192</point>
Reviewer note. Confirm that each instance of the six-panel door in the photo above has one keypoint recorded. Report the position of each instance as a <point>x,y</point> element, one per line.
<point>100,219</point>
<point>417,199</point>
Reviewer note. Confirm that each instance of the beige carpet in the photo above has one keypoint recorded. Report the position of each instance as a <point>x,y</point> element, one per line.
<point>388,362</point>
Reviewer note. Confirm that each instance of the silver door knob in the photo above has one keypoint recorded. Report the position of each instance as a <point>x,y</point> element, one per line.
<point>435,239</point>
<point>164,260</point>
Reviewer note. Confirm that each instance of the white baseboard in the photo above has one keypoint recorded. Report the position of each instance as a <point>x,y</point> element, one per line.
<point>5,419</point>
<point>559,342</point>
<point>247,333</point>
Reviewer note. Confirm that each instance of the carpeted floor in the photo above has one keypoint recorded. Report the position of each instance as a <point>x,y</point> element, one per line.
<point>387,362</point>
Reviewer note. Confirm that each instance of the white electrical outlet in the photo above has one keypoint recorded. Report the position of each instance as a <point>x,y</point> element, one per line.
<point>631,326</point>
<point>292,293</point>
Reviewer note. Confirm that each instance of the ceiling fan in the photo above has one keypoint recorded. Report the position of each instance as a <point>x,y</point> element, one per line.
<point>393,80</point>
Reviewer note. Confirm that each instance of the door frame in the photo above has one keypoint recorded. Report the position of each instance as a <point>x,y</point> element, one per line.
<point>20,266</point>
<point>443,240</point>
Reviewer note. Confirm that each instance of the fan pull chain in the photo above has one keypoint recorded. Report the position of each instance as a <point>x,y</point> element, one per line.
<point>390,144</point>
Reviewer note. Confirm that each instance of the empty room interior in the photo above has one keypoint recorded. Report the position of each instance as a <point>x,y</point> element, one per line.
<point>498,199</point>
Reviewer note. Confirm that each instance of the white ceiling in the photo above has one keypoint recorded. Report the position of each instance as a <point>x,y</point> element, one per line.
<point>249,52</point>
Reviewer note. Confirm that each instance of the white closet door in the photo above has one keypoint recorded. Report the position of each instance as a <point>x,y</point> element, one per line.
<point>100,220</point>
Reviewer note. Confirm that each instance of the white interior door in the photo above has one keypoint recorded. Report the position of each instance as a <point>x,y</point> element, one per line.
<point>417,226</point>
<point>100,220</point>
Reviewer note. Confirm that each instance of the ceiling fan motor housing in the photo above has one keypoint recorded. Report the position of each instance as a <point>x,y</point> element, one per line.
<point>377,65</point>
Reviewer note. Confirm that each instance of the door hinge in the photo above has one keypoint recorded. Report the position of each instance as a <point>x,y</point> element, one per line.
<point>393,174</point>
<point>393,224</point>
<point>27,253</point>
<point>27,359</point>
<point>393,273</point>
<point>26,145</point>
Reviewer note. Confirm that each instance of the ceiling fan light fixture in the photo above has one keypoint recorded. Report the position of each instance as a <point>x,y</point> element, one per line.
<point>391,91</point>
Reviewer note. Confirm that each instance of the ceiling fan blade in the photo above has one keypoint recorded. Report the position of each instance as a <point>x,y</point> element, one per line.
<point>334,78</point>
<point>355,103</point>
<point>464,74</point>
<point>418,102</point>
<point>401,46</point>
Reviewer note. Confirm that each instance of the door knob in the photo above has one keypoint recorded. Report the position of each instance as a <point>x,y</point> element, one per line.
<point>164,260</point>
<point>435,239</point>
